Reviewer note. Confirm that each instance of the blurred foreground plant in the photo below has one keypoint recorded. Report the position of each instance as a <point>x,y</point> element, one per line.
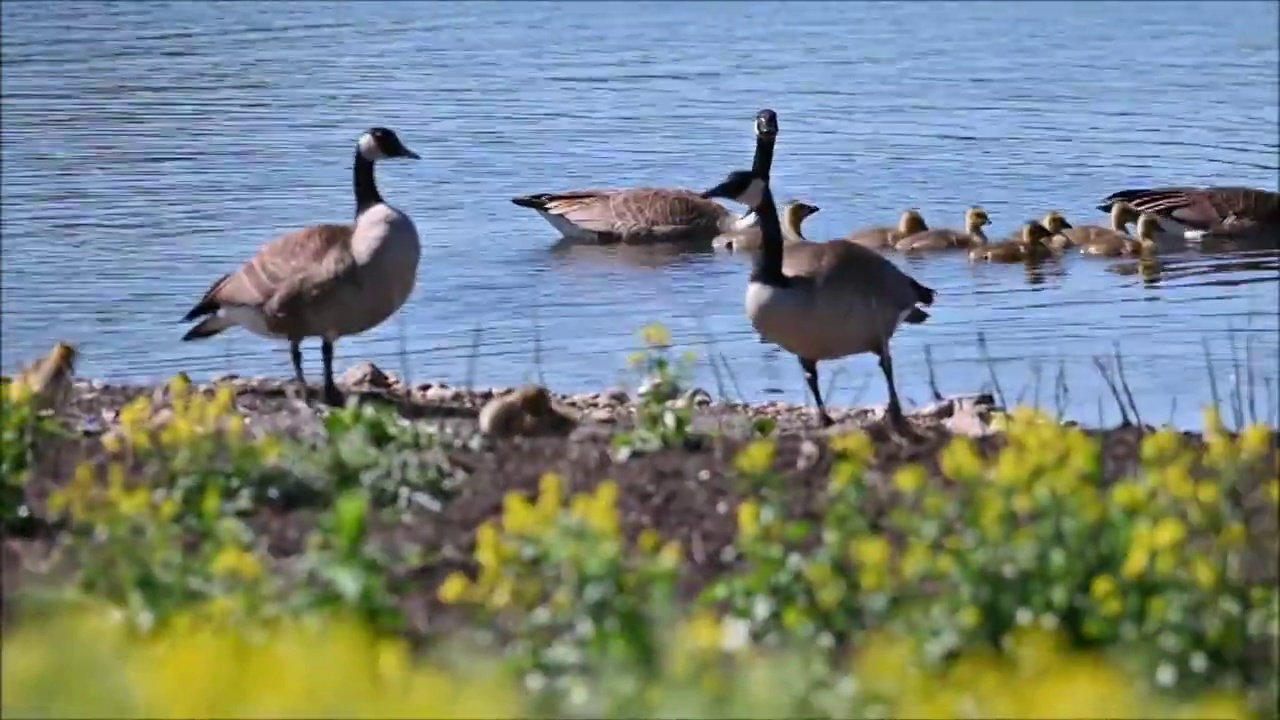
<point>663,419</point>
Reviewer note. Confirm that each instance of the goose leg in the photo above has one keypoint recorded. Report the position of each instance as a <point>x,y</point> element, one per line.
<point>811,376</point>
<point>896,418</point>
<point>295,354</point>
<point>331,393</point>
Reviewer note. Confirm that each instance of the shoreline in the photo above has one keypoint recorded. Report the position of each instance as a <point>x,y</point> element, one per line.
<point>274,405</point>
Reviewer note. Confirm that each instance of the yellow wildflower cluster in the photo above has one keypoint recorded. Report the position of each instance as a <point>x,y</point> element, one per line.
<point>1035,677</point>
<point>85,664</point>
<point>193,416</point>
<point>589,525</point>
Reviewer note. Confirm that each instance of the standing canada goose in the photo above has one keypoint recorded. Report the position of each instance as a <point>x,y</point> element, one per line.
<point>326,281</point>
<point>1120,244</point>
<point>49,379</point>
<point>794,213</point>
<point>910,223</point>
<point>1065,235</point>
<point>1031,244</point>
<point>823,300</point>
<point>1196,213</point>
<point>651,215</point>
<point>975,218</point>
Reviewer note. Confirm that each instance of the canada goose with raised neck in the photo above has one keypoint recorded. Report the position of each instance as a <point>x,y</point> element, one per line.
<point>794,213</point>
<point>975,218</point>
<point>823,301</point>
<point>1196,213</point>
<point>1065,235</point>
<point>652,215</point>
<point>1032,243</point>
<point>1118,244</point>
<point>327,281</point>
<point>910,222</point>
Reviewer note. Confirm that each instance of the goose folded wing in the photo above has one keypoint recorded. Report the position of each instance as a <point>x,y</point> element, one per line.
<point>292,261</point>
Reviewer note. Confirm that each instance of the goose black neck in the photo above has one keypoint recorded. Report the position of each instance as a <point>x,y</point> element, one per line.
<point>367,194</point>
<point>763,161</point>
<point>767,267</point>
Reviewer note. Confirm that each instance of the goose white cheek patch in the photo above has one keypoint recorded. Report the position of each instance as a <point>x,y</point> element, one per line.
<point>369,148</point>
<point>753,195</point>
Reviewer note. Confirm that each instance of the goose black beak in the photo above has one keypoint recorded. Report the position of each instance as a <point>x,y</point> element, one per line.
<point>1066,225</point>
<point>718,191</point>
<point>410,154</point>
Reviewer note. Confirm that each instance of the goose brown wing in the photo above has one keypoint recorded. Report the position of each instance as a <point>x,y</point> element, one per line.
<point>302,261</point>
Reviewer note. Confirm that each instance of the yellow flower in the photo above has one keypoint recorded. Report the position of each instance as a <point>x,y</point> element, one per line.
<point>454,588</point>
<point>748,519</point>
<point>656,335</point>
<point>235,427</point>
<point>1204,573</point>
<point>518,516</point>
<point>1128,495</point>
<point>961,462</point>
<point>1233,535</point>
<point>1135,563</point>
<point>488,551</point>
<point>756,458</point>
<point>969,617</point>
<point>853,445</point>
<point>1207,492</point>
<point>703,631</point>
<point>945,563</point>
<point>270,448</point>
<point>1177,481</point>
<point>871,552</point>
<point>168,509</point>
<point>1255,442</point>
<point>1160,447</point>
<point>550,496</point>
<point>1169,532</point>
<point>134,416</point>
<point>233,561</point>
<point>1103,586</point>
<point>1112,607</point>
<point>909,478</point>
<point>1166,563</point>
<point>1157,608</point>
<point>112,442</point>
<point>671,554</point>
<point>603,513</point>
<point>1273,490</point>
<point>648,541</point>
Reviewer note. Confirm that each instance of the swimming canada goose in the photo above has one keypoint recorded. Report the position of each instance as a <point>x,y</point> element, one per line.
<point>1065,235</point>
<point>651,215</point>
<point>975,218</point>
<point>1196,213</point>
<point>1031,244</point>
<point>527,411</point>
<point>49,379</point>
<point>1119,244</point>
<point>326,281</point>
<point>910,223</point>
<point>794,213</point>
<point>822,301</point>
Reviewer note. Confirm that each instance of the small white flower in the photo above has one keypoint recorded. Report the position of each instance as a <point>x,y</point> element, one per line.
<point>735,634</point>
<point>1166,675</point>
<point>1024,616</point>
<point>1198,662</point>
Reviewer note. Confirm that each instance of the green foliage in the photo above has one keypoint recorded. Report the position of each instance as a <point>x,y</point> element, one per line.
<point>21,427</point>
<point>662,419</point>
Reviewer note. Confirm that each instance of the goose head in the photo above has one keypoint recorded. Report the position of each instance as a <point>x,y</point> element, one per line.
<point>1035,233</point>
<point>1055,222</point>
<point>794,213</point>
<point>743,187</point>
<point>911,222</point>
<point>1148,229</point>
<point>975,218</point>
<point>766,124</point>
<point>380,143</point>
<point>1122,214</point>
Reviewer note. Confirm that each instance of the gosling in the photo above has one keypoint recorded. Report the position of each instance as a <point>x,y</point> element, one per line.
<point>910,223</point>
<point>1117,245</point>
<point>794,213</point>
<point>975,218</point>
<point>50,378</point>
<point>528,412</point>
<point>1031,245</point>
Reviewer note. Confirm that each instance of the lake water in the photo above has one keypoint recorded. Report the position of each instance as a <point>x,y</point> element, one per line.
<point>150,147</point>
